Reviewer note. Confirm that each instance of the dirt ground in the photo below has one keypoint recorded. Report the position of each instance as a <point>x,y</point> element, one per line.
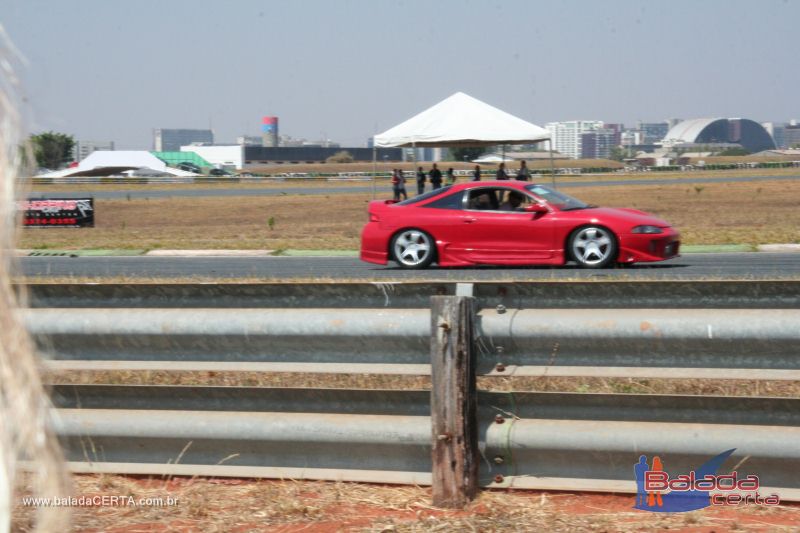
<point>287,506</point>
<point>720,213</point>
<point>708,387</point>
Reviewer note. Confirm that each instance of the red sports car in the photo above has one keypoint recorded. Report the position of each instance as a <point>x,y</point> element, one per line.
<point>510,223</point>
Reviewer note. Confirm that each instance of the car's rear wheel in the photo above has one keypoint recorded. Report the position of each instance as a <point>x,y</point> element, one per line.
<point>413,248</point>
<point>592,247</point>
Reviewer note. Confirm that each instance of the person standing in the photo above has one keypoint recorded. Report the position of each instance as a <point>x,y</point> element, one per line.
<point>399,185</point>
<point>420,181</point>
<point>436,177</point>
<point>476,173</point>
<point>501,172</point>
<point>523,174</point>
<point>451,176</point>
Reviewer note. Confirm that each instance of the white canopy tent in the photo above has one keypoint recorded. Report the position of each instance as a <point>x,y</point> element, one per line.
<point>106,162</point>
<point>461,121</point>
<point>492,159</point>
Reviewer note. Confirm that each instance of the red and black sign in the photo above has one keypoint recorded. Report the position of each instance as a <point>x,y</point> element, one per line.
<point>57,212</point>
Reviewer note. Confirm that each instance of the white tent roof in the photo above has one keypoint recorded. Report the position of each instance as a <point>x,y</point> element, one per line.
<point>462,120</point>
<point>117,161</point>
<point>493,158</point>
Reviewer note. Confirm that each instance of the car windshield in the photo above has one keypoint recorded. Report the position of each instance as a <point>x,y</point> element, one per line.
<point>558,199</point>
<point>429,194</point>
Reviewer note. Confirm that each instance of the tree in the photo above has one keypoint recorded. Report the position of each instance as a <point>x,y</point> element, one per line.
<point>620,153</point>
<point>342,156</point>
<point>52,149</point>
<point>458,154</point>
<point>616,153</point>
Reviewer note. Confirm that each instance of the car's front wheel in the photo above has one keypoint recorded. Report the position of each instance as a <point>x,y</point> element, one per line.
<point>592,247</point>
<point>413,248</point>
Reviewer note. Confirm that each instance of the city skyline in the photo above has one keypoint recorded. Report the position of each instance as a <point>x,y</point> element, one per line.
<point>345,71</point>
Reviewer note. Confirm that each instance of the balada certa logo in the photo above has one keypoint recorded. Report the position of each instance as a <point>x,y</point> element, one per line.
<point>702,487</point>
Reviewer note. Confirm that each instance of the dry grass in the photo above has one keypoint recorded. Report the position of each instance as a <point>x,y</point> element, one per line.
<point>720,213</point>
<point>292,506</point>
<point>710,387</point>
<point>305,222</point>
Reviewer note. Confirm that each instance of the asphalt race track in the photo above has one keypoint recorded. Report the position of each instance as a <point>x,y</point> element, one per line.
<point>689,267</point>
<point>382,187</point>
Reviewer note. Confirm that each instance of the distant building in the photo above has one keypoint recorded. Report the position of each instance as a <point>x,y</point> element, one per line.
<point>566,136</point>
<point>789,152</point>
<point>746,133</point>
<point>83,148</point>
<point>653,132</point>
<point>597,144</point>
<point>289,141</point>
<point>791,135</point>
<point>631,138</point>
<point>169,140</point>
<point>248,140</point>
<point>262,155</point>
<point>322,143</point>
<point>269,132</point>
<point>425,154</point>
<point>228,157</point>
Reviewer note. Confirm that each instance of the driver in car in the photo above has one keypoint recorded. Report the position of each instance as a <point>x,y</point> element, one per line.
<point>512,203</point>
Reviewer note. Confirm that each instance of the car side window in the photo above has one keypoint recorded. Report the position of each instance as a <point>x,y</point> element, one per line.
<point>498,199</point>
<point>484,199</point>
<point>451,201</point>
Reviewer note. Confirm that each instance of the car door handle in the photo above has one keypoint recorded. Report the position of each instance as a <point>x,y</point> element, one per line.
<point>469,220</point>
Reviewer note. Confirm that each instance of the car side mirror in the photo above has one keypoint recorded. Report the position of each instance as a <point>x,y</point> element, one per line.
<point>536,208</point>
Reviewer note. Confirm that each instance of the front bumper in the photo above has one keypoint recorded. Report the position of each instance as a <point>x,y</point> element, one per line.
<point>640,248</point>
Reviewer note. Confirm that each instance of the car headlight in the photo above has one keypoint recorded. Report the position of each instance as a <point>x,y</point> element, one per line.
<point>647,229</point>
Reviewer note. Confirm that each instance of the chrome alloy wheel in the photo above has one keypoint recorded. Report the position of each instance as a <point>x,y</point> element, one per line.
<point>592,246</point>
<point>413,248</point>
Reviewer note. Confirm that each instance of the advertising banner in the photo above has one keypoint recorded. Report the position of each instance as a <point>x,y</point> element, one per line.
<point>57,212</point>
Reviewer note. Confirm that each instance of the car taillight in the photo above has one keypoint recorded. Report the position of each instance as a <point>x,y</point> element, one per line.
<point>373,217</point>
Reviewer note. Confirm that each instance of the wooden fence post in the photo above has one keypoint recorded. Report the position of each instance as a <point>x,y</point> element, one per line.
<point>453,401</point>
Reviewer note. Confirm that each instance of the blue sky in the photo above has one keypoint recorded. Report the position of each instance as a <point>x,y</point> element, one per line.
<point>112,70</point>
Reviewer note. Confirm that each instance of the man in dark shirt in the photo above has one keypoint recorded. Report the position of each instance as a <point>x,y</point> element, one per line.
<point>436,177</point>
<point>523,174</point>
<point>420,181</point>
<point>501,172</point>
<point>476,174</point>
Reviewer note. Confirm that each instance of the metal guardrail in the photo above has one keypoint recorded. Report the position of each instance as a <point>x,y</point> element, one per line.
<point>520,342</point>
<point>526,440</point>
<point>541,295</point>
<point>545,440</point>
<point>689,329</point>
